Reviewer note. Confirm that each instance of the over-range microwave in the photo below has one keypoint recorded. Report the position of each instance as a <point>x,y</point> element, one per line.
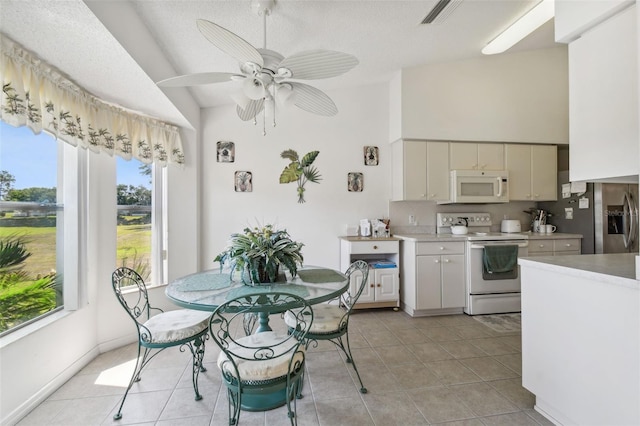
<point>479,186</point>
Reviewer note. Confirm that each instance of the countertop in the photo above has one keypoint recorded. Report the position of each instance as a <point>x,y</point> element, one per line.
<point>356,238</point>
<point>615,268</point>
<point>451,237</point>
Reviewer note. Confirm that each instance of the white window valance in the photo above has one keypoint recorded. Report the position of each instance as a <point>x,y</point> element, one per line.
<point>37,95</point>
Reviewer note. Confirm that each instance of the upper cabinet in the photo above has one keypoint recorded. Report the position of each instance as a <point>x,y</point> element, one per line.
<point>533,172</point>
<point>476,156</point>
<point>603,90</point>
<point>420,170</point>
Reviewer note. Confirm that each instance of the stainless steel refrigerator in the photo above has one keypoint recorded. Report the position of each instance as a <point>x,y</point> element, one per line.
<point>608,225</point>
<point>616,217</point>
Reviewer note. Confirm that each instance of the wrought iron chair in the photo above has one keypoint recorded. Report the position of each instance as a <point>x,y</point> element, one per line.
<point>331,321</point>
<point>182,327</point>
<point>263,370</point>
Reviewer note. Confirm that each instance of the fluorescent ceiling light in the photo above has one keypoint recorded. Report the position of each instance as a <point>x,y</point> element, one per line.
<point>524,26</point>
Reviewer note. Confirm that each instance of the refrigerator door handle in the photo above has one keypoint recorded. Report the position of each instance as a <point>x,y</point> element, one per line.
<point>627,237</point>
<point>633,211</point>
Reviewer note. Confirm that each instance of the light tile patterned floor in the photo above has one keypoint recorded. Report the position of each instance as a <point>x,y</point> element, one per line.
<point>431,370</point>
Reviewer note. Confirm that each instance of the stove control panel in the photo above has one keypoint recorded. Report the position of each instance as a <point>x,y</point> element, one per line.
<point>473,219</point>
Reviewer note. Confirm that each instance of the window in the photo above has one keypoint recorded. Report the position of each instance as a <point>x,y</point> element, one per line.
<point>31,218</point>
<point>139,246</point>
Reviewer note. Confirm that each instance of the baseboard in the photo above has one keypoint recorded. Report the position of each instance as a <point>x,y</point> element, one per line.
<point>430,312</point>
<point>47,390</point>
<point>117,343</point>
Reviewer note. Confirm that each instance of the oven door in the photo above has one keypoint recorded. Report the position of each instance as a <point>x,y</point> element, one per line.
<point>476,283</point>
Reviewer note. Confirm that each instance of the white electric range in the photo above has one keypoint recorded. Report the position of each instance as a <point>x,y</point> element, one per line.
<point>487,292</point>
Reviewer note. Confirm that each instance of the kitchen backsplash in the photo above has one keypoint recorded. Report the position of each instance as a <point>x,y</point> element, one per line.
<point>424,214</point>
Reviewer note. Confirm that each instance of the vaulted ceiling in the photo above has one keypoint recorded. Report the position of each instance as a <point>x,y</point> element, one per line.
<point>82,39</point>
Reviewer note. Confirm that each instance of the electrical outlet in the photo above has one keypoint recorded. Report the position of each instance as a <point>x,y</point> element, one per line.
<point>412,219</point>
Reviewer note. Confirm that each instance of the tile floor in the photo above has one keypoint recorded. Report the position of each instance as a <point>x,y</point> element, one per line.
<point>432,370</point>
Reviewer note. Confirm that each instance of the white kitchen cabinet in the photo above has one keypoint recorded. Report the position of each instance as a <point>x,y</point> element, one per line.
<point>554,247</point>
<point>383,284</point>
<point>476,156</point>
<point>603,101</point>
<point>420,170</point>
<point>533,172</point>
<point>433,279</point>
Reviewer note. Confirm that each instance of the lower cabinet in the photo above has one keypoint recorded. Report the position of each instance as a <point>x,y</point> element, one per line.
<point>433,280</point>
<point>440,281</point>
<point>555,247</point>
<point>382,286</point>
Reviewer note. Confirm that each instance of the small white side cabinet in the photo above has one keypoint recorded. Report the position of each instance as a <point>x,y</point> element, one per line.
<point>383,286</point>
<point>433,278</point>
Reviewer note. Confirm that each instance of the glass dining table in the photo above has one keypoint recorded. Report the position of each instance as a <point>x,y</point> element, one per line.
<point>207,290</point>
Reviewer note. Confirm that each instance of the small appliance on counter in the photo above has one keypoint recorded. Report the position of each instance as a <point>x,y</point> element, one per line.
<point>510,226</point>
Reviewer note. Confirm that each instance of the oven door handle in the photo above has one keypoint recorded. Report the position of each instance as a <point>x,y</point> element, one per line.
<point>481,246</point>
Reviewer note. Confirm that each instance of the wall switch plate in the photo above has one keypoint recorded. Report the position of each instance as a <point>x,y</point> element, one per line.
<point>412,219</point>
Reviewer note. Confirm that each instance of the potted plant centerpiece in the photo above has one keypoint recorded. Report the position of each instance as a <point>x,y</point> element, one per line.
<point>258,252</point>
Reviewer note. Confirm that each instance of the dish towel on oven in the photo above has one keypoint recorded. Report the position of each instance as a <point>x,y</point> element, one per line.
<point>500,262</point>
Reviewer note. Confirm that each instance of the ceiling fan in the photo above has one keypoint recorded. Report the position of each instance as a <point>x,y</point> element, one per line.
<point>267,75</point>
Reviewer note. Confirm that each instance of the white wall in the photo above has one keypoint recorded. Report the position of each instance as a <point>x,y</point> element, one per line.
<point>362,120</point>
<point>35,364</point>
<point>517,97</point>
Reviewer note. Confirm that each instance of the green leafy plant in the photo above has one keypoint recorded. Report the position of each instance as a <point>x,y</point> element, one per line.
<point>300,170</point>
<point>22,297</point>
<point>258,252</point>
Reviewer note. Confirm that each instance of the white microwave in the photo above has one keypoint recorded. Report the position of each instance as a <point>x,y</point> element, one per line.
<point>479,186</point>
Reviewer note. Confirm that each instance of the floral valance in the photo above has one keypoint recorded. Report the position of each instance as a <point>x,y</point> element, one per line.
<point>37,95</point>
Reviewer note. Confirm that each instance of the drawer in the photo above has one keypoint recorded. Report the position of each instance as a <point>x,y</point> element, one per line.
<point>440,248</point>
<point>537,246</point>
<point>372,247</point>
<point>567,245</point>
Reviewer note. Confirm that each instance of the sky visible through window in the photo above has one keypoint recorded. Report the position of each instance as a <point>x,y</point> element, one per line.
<point>32,167</point>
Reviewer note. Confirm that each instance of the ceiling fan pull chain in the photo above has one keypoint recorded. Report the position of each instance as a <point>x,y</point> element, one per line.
<point>264,122</point>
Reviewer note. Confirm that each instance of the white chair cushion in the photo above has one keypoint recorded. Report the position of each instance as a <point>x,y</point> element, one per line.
<point>176,325</point>
<point>326,318</point>
<point>256,370</point>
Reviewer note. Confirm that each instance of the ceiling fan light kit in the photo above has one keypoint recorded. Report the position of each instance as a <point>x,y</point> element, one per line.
<point>524,26</point>
<point>265,73</point>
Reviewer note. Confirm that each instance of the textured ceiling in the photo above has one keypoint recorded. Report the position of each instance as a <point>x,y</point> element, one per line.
<point>384,35</point>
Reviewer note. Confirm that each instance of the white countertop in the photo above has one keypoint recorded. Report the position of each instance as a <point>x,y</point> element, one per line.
<point>618,268</point>
<point>451,237</point>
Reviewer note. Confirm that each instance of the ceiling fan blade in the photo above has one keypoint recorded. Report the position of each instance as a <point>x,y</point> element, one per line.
<point>254,107</point>
<point>198,79</point>
<point>312,100</point>
<point>229,43</point>
<point>317,64</point>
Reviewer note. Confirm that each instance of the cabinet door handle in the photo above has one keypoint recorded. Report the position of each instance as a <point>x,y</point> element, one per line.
<point>541,246</point>
<point>567,245</point>
<point>375,247</point>
<point>441,248</point>
<point>379,285</point>
<point>437,260</point>
<point>447,261</point>
<point>372,285</point>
